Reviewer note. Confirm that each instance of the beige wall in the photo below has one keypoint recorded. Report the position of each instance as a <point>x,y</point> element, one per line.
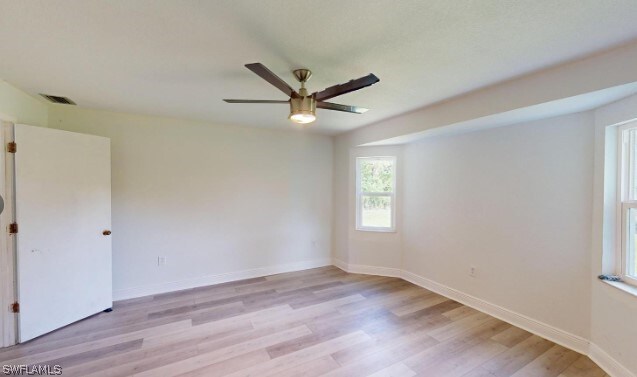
<point>213,199</point>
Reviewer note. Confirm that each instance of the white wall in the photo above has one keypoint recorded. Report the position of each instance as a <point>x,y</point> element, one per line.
<point>613,312</point>
<point>361,251</point>
<point>520,204</point>
<point>341,195</point>
<point>18,107</point>
<point>554,282</point>
<point>212,199</point>
<point>514,202</point>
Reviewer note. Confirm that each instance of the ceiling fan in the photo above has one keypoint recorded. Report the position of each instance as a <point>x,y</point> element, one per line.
<point>303,105</point>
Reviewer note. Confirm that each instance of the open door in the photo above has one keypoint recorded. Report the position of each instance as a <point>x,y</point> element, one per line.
<point>63,212</point>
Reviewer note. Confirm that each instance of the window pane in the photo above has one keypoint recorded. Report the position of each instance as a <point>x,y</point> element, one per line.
<point>376,211</point>
<point>376,175</point>
<point>631,261</point>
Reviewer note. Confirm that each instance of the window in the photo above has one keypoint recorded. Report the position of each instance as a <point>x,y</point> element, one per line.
<point>628,201</point>
<point>375,194</point>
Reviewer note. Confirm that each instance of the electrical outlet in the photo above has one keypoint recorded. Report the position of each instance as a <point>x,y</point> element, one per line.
<point>161,261</point>
<point>472,272</point>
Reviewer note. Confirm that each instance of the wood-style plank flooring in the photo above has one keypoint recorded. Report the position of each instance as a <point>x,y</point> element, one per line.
<point>320,322</point>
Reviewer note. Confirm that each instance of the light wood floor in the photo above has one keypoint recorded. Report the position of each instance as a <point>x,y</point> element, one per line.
<point>310,323</point>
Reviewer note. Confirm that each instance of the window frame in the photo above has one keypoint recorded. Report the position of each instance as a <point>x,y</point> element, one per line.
<point>625,175</point>
<point>360,194</point>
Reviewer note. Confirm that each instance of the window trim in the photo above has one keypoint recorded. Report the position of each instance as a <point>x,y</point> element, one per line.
<point>624,203</point>
<point>360,194</point>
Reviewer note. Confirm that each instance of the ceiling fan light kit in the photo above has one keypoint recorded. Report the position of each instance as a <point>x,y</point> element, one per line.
<point>302,104</point>
<point>302,110</point>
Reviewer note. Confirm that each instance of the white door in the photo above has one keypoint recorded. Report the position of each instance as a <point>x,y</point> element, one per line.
<point>63,211</point>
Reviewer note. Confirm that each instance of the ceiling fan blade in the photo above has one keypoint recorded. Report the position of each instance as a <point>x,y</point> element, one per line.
<point>273,79</point>
<point>350,86</point>
<point>254,101</point>
<point>339,107</point>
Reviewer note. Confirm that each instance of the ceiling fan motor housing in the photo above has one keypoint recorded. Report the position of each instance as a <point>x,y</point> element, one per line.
<point>303,105</point>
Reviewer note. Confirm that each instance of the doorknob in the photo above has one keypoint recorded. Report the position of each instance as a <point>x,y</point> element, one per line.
<point>106,232</point>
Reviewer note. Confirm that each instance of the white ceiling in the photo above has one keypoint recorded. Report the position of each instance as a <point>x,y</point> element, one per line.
<point>180,58</point>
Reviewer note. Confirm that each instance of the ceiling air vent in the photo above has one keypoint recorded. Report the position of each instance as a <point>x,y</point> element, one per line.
<point>58,99</point>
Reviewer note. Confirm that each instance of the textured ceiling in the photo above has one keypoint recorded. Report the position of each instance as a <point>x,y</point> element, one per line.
<point>180,58</point>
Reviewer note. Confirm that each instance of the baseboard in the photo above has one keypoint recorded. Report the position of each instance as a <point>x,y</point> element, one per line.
<point>368,270</point>
<point>607,363</point>
<point>201,281</point>
<point>549,332</point>
<point>561,337</point>
<point>340,264</point>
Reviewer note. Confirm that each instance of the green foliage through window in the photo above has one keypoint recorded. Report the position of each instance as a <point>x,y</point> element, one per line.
<point>377,177</point>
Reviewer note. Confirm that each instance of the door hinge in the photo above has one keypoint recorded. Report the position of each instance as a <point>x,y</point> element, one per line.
<point>15,307</point>
<point>13,228</point>
<point>12,147</point>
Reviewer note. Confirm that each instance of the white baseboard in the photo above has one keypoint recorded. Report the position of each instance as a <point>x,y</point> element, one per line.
<point>607,363</point>
<point>152,289</point>
<point>340,264</point>
<point>368,270</point>
<point>531,325</point>
<point>556,335</point>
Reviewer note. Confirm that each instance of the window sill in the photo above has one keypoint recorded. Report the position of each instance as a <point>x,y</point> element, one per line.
<point>375,230</point>
<point>630,289</point>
